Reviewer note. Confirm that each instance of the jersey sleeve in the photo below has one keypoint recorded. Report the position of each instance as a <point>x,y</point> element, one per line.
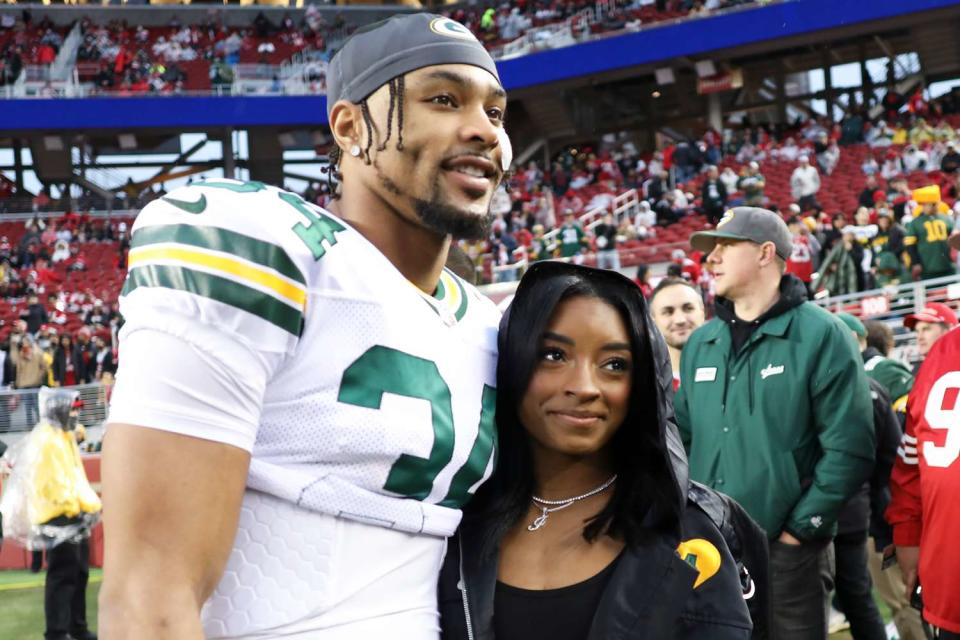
<point>910,238</point>
<point>216,275</point>
<point>219,257</point>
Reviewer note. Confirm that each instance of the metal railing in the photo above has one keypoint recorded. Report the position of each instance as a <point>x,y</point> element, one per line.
<point>892,304</point>
<point>895,302</point>
<point>19,407</point>
<point>627,203</point>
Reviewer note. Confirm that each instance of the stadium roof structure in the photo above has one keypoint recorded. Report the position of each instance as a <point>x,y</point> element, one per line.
<point>759,55</point>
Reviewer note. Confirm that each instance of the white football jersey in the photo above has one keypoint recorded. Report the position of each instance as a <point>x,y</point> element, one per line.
<point>371,400</point>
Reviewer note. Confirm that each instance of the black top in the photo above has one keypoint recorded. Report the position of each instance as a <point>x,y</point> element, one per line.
<point>552,614</point>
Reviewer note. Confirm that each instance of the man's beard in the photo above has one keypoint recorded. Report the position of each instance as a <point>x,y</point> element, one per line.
<point>440,217</point>
<point>446,219</point>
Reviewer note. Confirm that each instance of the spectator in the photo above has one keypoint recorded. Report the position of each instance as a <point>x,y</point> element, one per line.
<point>103,358</point>
<point>689,269</point>
<point>642,280</point>
<point>645,221</point>
<point>805,247</point>
<point>889,238</point>
<point>571,202</point>
<point>829,159</point>
<point>892,166</point>
<point>870,166</point>
<point>540,248</point>
<point>605,234</point>
<point>838,271</point>
<point>926,237</point>
<point>35,315</point>
<point>862,515</point>
<point>923,507</point>
<point>666,208</point>
<point>657,186</point>
<point>879,336</point>
<point>713,196</point>
<point>573,241</point>
<point>66,363</point>
<point>913,159</point>
<point>880,135</point>
<point>951,159</point>
<point>804,185</point>
<point>867,197</point>
<point>752,184</point>
<point>729,178</point>
<point>751,367</point>
<point>30,372</point>
<point>677,309</point>
<point>931,323</point>
<point>85,353</point>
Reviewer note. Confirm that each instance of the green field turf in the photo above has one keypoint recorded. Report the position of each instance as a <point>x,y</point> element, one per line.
<point>21,606</point>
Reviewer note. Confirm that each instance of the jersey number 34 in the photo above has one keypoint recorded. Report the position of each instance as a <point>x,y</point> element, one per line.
<point>382,370</point>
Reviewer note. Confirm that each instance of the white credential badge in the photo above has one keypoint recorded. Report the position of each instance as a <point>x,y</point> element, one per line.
<point>705,374</point>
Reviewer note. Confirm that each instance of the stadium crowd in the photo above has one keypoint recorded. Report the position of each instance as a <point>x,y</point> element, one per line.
<point>57,330</point>
<point>129,60</point>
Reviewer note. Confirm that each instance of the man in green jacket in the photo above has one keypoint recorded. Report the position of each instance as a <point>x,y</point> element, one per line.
<point>775,410</point>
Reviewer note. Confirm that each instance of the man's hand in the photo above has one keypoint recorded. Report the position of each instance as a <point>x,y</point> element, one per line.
<point>908,558</point>
<point>786,538</point>
<point>916,271</point>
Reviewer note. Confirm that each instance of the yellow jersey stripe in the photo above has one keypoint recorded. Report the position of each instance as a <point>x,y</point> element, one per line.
<point>241,271</point>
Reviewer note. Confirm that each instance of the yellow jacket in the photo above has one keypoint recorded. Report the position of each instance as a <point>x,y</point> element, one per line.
<point>60,486</point>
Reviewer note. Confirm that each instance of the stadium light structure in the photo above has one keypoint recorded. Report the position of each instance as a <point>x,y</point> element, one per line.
<point>705,68</point>
<point>665,75</point>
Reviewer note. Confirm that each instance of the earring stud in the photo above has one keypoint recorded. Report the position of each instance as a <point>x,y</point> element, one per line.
<point>355,150</point>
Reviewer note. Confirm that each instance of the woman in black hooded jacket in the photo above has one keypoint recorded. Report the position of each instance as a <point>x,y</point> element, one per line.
<point>588,527</point>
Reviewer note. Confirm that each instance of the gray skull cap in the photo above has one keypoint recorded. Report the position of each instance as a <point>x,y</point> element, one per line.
<point>376,54</point>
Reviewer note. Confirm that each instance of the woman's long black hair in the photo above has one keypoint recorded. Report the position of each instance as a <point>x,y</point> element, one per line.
<point>647,499</point>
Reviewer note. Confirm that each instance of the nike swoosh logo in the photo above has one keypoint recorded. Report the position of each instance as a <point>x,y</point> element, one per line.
<point>189,207</point>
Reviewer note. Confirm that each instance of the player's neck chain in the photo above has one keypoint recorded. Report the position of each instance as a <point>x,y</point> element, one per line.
<point>549,506</point>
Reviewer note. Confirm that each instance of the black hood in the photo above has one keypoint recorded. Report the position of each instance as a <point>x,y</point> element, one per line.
<point>793,293</point>
<point>870,353</point>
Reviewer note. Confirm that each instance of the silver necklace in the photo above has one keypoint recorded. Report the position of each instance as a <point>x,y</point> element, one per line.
<point>549,506</point>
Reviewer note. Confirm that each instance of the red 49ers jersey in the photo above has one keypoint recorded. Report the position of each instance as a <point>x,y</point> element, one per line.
<point>800,263</point>
<point>925,483</point>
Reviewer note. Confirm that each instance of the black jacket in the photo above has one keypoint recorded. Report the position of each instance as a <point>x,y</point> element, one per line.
<point>651,594</point>
<point>864,511</point>
<point>712,204</point>
<point>60,365</point>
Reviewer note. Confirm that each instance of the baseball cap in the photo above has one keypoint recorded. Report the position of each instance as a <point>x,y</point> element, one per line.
<point>380,52</point>
<point>933,312</point>
<point>853,323</point>
<point>747,223</point>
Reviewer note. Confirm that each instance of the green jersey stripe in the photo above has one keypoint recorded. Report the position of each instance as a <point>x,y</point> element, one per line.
<point>216,288</point>
<point>217,239</point>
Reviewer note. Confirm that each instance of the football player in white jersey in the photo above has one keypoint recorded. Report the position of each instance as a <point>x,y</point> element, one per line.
<point>305,397</point>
